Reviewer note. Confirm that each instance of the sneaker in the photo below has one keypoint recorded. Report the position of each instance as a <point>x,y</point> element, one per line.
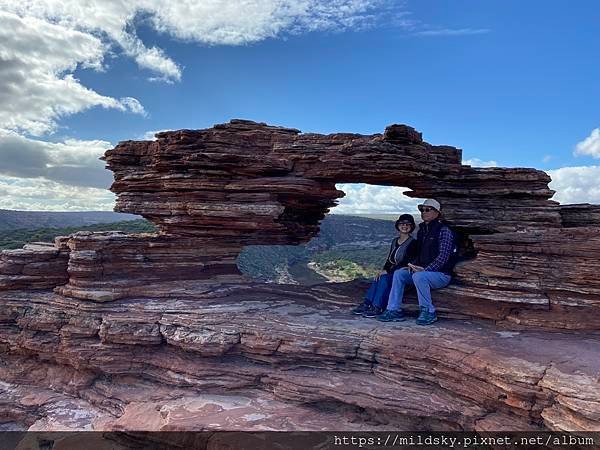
<point>361,309</point>
<point>391,316</point>
<point>373,311</point>
<point>426,317</point>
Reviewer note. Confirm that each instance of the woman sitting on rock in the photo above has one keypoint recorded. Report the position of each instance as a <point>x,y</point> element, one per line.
<point>402,250</point>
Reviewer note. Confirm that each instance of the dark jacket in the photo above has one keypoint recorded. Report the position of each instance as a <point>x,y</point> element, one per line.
<point>428,246</point>
<point>409,255</point>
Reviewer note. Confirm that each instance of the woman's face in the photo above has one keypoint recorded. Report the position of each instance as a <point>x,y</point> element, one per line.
<point>404,228</point>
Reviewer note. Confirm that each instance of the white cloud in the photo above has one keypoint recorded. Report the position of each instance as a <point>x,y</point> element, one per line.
<point>547,158</point>
<point>133,105</point>
<point>576,184</point>
<point>590,146</point>
<point>371,199</point>
<point>476,162</point>
<point>44,195</point>
<point>72,162</point>
<point>149,135</point>
<point>36,58</point>
<point>207,22</point>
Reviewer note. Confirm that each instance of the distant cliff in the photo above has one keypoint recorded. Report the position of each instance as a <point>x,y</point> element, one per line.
<point>10,220</point>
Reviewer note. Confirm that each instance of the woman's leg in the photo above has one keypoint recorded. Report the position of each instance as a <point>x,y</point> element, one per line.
<point>382,291</point>
<point>370,296</point>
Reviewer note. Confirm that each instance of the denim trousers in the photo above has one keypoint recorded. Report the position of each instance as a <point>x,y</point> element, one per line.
<point>379,291</point>
<point>424,282</point>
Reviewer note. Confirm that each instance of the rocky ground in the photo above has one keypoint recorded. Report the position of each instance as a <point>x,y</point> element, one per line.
<point>256,359</point>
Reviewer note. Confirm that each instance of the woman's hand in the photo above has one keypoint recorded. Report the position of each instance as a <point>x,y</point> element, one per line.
<point>383,272</point>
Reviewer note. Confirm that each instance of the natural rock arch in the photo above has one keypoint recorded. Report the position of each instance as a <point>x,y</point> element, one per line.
<point>184,322</point>
<point>211,192</point>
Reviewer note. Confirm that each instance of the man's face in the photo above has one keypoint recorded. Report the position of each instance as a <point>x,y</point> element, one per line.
<point>428,213</point>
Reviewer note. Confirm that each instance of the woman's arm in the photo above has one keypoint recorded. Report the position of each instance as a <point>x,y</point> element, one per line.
<point>388,266</point>
<point>410,255</point>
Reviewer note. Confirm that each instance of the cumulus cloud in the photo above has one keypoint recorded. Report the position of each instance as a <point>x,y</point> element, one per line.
<point>72,162</point>
<point>45,195</point>
<point>476,162</point>
<point>36,61</point>
<point>590,146</point>
<point>371,199</point>
<point>208,22</point>
<point>576,184</point>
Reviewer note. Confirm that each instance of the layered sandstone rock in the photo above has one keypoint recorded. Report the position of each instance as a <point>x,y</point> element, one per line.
<point>272,185</point>
<point>246,183</point>
<point>311,357</point>
<point>555,267</point>
<point>106,266</point>
<point>176,339</point>
<point>39,265</point>
<point>581,215</point>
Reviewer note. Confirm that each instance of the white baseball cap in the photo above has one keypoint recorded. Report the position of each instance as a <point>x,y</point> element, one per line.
<point>432,203</point>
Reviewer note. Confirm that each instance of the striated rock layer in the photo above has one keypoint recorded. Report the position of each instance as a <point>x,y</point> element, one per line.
<point>111,331</point>
<point>106,266</point>
<point>272,185</point>
<point>555,269</point>
<point>147,364</point>
<point>39,265</point>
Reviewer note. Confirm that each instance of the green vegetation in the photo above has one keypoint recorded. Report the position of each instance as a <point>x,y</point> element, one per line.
<point>265,262</point>
<point>369,258</point>
<point>10,239</point>
<point>343,270</point>
<point>351,264</point>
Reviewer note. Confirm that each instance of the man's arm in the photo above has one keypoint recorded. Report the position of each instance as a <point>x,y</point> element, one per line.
<point>446,243</point>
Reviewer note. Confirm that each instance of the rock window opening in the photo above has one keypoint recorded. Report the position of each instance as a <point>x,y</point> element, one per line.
<point>352,243</point>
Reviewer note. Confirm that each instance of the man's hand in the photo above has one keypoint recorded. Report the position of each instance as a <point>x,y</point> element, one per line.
<point>415,268</point>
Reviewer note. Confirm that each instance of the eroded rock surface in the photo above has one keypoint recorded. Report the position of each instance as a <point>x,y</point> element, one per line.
<point>40,265</point>
<point>272,185</point>
<point>258,360</point>
<point>111,331</point>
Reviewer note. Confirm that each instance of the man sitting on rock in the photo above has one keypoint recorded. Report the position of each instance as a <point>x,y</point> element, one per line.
<point>431,269</point>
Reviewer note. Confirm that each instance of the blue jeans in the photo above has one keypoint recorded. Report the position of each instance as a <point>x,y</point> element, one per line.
<point>423,281</point>
<point>379,291</point>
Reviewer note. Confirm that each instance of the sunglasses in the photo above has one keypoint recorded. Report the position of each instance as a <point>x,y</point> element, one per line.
<point>425,209</point>
<point>405,223</point>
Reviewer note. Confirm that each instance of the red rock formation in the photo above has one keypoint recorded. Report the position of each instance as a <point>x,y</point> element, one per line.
<point>39,265</point>
<point>556,266</point>
<point>259,343</point>
<point>112,265</point>
<point>272,185</point>
<point>176,339</point>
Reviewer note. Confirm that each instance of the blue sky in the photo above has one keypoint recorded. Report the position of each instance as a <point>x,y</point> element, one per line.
<point>511,83</point>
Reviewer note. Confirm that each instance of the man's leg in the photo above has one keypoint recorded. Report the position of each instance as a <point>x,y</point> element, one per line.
<point>424,282</point>
<point>401,278</point>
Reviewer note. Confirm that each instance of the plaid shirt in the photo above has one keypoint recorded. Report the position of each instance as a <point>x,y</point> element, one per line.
<point>446,244</point>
